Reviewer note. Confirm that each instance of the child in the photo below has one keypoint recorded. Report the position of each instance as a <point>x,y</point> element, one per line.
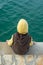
<point>21,40</point>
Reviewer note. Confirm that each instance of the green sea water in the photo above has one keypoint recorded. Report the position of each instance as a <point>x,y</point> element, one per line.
<point>11,11</point>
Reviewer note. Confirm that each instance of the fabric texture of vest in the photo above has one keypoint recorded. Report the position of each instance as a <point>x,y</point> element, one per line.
<point>21,43</point>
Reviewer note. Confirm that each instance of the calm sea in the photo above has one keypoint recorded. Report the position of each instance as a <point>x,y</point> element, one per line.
<point>11,11</point>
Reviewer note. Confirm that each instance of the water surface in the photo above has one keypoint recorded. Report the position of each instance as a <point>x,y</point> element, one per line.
<point>11,11</point>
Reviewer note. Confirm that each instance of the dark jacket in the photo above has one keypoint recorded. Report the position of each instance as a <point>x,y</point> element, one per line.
<point>21,43</point>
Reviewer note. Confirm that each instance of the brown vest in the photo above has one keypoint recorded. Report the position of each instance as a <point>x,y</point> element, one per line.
<point>21,43</point>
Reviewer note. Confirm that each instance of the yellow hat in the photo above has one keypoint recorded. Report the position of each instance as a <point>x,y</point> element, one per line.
<point>22,26</point>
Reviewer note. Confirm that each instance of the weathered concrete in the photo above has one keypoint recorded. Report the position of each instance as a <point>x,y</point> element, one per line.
<point>36,49</point>
<point>5,49</point>
<point>33,57</point>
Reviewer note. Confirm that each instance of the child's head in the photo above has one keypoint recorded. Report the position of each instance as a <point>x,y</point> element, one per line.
<point>22,26</point>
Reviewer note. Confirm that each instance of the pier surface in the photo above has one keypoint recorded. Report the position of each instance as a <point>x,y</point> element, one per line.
<point>33,57</point>
<point>36,49</point>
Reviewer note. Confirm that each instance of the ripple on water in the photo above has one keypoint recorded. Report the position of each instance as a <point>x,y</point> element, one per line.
<point>12,11</point>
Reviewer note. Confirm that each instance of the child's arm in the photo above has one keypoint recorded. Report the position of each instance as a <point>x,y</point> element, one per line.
<point>31,43</point>
<point>10,41</point>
